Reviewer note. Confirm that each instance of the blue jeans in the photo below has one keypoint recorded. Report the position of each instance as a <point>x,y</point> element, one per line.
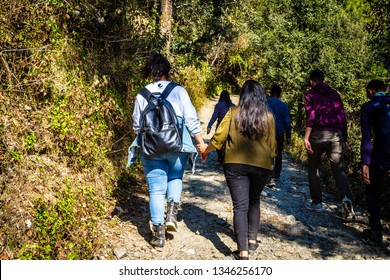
<point>164,174</point>
<point>330,143</point>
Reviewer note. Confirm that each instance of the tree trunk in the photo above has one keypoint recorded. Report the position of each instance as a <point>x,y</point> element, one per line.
<point>166,21</point>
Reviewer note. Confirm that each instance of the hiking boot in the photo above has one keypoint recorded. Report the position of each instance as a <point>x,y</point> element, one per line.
<point>158,240</point>
<point>373,237</point>
<point>171,220</point>
<point>314,207</point>
<point>348,208</point>
<point>271,183</point>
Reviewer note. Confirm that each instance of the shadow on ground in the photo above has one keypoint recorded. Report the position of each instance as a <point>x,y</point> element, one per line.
<point>208,225</point>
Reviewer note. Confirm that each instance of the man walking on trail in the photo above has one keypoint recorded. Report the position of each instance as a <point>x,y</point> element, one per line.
<point>375,154</point>
<point>326,132</point>
<point>283,127</point>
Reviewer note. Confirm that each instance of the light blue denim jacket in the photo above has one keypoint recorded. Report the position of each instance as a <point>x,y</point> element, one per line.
<point>188,147</point>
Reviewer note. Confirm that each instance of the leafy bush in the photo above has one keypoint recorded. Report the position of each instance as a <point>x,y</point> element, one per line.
<point>59,226</point>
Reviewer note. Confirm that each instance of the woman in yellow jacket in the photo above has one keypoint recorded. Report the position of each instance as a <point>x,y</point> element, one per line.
<point>248,131</point>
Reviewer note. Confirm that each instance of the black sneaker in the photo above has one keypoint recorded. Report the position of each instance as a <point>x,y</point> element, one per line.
<point>373,237</point>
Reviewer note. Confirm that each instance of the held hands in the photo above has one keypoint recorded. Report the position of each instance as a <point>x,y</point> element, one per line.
<point>202,150</point>
<point>200,141</point>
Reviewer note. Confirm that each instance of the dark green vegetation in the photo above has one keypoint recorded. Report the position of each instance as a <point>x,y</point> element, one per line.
<point>69,72</point>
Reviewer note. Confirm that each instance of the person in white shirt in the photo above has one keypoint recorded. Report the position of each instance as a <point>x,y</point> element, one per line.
<point>164,172</point>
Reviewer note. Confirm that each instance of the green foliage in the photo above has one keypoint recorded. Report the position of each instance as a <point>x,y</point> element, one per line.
<point>196,81</point>
<point>379,14</point>
<point>30,141</point>
<point>61,120</point>
<point>81,124</point>
<point>296,148</point>
<point>57,226</point>
<point>16,155</point>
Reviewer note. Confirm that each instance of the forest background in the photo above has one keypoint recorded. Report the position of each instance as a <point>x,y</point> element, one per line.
<point>70,70</point>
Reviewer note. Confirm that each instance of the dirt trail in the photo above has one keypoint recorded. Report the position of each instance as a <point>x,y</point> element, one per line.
<point>288,231</point>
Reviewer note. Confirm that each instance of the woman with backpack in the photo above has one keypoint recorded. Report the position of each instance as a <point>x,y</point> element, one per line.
<point>220,110</point>
<point>164,171</point>
<point>248,131</point>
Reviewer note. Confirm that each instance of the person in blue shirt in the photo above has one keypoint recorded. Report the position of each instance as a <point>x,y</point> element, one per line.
<point>283,129</point>
<point>220,110</point>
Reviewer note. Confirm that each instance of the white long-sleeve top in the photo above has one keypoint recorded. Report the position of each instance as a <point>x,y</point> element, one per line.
<point>180,101</point>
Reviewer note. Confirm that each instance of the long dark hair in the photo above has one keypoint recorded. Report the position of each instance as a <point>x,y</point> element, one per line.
<point>225,97</point>
<point>157,66</point>
<point>252,117</point>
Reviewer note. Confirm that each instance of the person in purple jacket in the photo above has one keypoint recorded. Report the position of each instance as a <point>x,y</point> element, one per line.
<point>220,110</point>
<point>326,132</point>
<point>375,155</point>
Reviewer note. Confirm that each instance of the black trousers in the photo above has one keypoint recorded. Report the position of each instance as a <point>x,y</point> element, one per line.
<point>373,191</point>
<point>245,183</point>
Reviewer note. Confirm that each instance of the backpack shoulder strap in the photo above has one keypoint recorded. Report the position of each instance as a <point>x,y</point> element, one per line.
<point>168,90</point>
<point>145,93</point>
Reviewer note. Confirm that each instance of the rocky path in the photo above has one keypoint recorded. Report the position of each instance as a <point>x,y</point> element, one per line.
<point>288,231</point>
